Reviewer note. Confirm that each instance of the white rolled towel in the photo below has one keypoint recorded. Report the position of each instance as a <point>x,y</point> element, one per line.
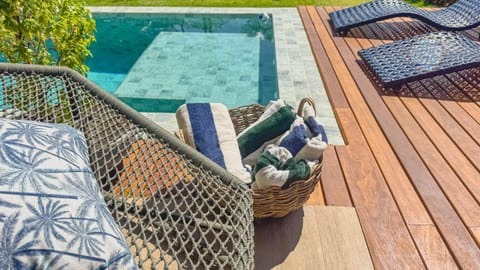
<point>300,145</point>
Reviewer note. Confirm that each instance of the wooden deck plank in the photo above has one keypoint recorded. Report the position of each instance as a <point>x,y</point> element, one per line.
<point>476,234</point>
<point>439,96</point>
<point>378,181</point>
<point>433,250</point>
<point>450,233</point>
<point>411,206</point>
<point>460,88</point>
<point>462,169</point>
<point>381,222</point>
<point>454,105</point>
<point>450,183</point>
<point>438,256</point>
<point>334,190</point>
<point>315,237</point>
<point>433,257</point>
<point>435,200</point>
<point>317,197</point>
<point>464,158</point>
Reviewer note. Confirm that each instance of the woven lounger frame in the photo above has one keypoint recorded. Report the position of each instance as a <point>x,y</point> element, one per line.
<point>419,57</point>
<point>462,15</point>
<point>176,208</point>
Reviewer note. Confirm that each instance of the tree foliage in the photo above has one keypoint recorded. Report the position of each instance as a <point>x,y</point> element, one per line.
<point>47,32</point>
<point>442,3</point>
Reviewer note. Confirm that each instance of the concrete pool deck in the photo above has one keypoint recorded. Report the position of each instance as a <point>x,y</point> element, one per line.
<point>297,72</point>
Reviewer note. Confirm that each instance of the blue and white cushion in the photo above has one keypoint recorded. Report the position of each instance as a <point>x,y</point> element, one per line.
<point>52,214</point>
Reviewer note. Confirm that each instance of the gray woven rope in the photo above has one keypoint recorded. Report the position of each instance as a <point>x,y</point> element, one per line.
<point>420,57</point>
<point>176,208</point>
<point>462,15</point>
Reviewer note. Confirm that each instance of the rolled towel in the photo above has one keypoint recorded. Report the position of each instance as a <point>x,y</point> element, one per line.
<point>276,119</point>
<point>208,128</point>
<point>313,123</point>
<point>298,143</point>
<point>313,149</point>
<point>296,138</point>
<point>276,167</point>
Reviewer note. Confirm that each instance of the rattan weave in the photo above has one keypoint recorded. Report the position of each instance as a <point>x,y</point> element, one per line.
<point>186,211</point>
<point>462,15</point>
<point>275,201</point>
<point>420,57</point>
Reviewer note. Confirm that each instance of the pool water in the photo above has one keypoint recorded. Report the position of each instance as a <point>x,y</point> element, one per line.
<point>156,62</point>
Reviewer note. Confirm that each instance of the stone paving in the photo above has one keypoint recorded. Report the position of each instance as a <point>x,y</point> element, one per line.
<point>297,72</point>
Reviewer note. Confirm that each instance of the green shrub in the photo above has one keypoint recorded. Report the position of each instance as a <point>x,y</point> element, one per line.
<point>442,3</point>
<point>48,32</point>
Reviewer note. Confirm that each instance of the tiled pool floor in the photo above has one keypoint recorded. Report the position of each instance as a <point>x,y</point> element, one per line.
<point>229,77</point>
<point>298,76</point>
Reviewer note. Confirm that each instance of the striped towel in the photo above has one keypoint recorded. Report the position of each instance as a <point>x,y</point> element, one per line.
<point>298,142</point>
<point>277,167</point>
<point>313,123</point>
<point>276,119</point>
<point>304,140</point>
<point>208,128</point>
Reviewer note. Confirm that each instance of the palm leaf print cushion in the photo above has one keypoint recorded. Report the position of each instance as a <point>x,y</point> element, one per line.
<point>52,214</point>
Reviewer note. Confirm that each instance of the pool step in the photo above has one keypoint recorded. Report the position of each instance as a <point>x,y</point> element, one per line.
<point>153,104</point>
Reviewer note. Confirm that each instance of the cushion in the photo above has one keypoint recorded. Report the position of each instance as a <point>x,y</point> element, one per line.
<point>52,214</point>
<point>208,128</point>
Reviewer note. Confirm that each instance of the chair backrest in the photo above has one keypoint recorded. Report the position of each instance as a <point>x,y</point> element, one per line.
<point>175,207</point>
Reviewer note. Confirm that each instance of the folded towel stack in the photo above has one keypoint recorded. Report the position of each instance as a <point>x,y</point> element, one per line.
<point>280,145</point>
<point>208,128</point>
<point>285,160</point>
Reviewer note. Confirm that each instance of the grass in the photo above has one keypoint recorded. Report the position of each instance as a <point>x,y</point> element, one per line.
<point>232,3</point>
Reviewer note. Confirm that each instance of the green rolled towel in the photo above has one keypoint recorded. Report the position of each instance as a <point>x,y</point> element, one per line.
<point>276,119</point>
<point>277,167</point>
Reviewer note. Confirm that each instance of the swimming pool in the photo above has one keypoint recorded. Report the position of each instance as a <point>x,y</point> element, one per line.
<point>156,62</point>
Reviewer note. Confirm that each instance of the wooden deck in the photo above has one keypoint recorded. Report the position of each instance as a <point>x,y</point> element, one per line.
<point>411,166</point>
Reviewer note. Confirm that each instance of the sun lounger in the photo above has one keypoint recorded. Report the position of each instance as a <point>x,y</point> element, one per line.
<point>462,15</point>
<point>420,57</point>
<point>176,208</point>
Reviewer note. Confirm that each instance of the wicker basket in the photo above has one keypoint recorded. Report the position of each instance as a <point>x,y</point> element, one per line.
<point>275,201</point>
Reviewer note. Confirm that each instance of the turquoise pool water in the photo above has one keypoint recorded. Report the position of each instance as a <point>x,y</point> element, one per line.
<point>156,62</point>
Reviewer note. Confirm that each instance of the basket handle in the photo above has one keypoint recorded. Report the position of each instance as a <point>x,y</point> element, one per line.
<point>302,103</point>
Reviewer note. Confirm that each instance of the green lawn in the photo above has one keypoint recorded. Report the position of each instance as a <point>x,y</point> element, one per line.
<point>230,3</point>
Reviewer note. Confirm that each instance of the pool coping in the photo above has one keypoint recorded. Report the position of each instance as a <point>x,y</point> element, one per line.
<point>297,72</point>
